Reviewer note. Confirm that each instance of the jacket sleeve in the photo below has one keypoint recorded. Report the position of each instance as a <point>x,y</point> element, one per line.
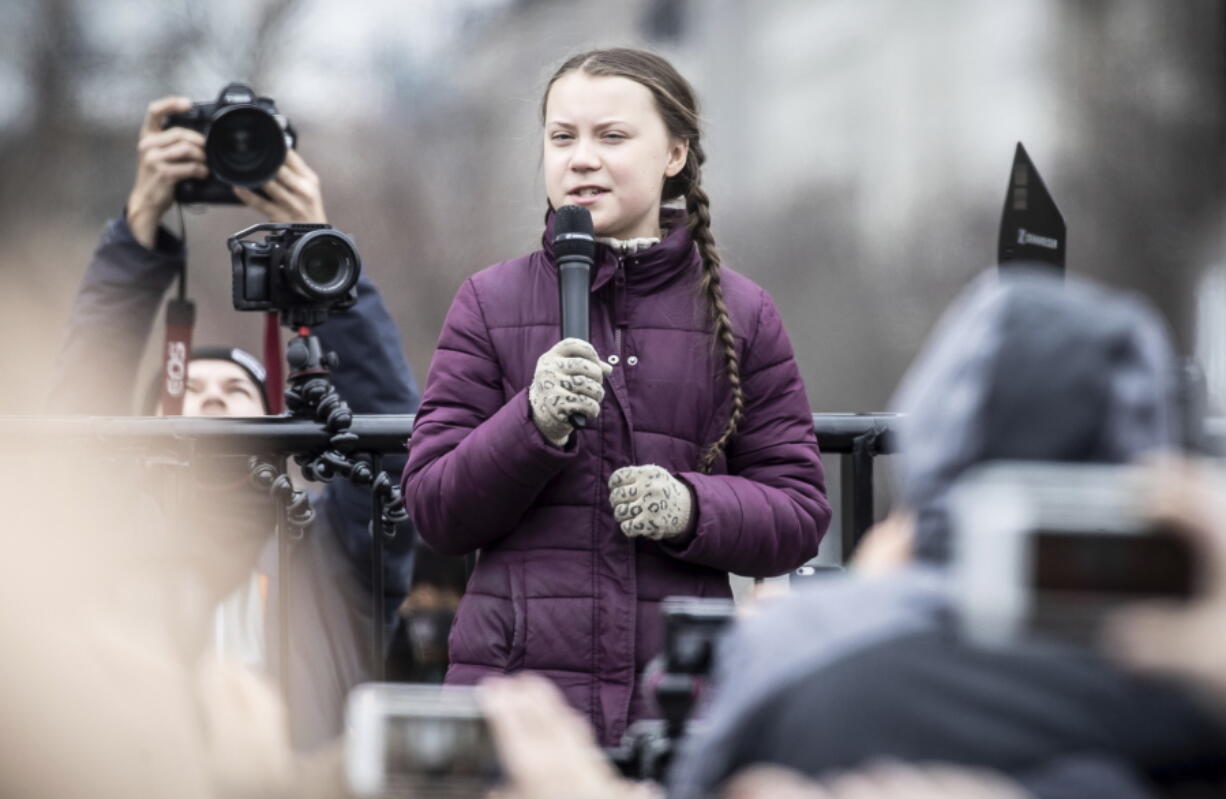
<point>477,461</point>
<point>768,514</point>
<point>373,377</point>
<point>111,319</point>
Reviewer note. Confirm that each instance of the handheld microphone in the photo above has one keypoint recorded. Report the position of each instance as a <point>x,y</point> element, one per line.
<point>574,247</point>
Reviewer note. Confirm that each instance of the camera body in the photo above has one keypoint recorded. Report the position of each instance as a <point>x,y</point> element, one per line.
<point>692,630</point>
<point>245,143</point>
<point>418,740</point>
<point>302,271</point>
<point>1049,549</point>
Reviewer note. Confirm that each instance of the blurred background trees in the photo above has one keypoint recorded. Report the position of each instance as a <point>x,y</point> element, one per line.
<point>859,151</point>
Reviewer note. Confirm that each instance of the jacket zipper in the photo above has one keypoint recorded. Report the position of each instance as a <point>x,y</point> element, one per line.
<point>619,306</point>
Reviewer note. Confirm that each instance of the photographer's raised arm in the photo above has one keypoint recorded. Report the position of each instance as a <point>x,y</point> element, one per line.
<point>132,268</point>
<point>110,322</point>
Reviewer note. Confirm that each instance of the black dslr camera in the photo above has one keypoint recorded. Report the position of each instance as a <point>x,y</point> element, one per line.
<point>245,143</point>
<point>303,271</point>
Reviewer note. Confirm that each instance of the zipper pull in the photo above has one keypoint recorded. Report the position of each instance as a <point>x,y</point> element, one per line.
<point>621,315</point>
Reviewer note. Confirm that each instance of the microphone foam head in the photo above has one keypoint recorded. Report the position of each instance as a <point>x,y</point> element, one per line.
<point>573,233</point>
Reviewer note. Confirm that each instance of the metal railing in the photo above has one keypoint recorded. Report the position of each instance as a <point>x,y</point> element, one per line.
<point>855,437</point>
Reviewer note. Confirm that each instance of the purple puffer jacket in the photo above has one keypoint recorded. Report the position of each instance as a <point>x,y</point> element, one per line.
<point>558,589</point>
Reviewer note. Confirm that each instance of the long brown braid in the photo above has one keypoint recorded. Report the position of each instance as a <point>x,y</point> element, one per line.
<point>679,109</point>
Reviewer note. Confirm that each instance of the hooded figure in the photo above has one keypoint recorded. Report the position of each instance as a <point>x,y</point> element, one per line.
<point>1023,366</point>
<point>1028,366</point>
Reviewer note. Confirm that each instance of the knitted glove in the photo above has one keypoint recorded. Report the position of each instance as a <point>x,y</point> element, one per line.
<point>569,379</point>
<point>650,502</point>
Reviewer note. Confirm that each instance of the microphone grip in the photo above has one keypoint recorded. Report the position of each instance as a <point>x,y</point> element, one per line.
<point>575,286</point>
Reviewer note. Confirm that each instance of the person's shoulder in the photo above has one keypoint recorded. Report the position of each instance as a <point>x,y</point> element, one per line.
<point>745,299</point>
<point>738,287</point>
<point>504,291</point>
<point>507,274</point>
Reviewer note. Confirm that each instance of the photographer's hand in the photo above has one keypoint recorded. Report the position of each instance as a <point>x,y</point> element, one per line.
<point>294,195</point>
<point>164,158</point>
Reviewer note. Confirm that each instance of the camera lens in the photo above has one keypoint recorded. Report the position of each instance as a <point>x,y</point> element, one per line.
<point>245,146</point>
<point>323,265</point>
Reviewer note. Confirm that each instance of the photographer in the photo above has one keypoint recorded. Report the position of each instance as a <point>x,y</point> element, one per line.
<point>112,317</point>
<point>1025,366</point>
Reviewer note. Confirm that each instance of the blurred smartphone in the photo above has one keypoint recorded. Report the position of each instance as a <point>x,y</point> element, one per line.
<point>413,740</point>
<point>813,573</point>
<point>1050,550</point>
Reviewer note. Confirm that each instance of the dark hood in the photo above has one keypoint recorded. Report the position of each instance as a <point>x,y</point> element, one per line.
<point>1027,365</point>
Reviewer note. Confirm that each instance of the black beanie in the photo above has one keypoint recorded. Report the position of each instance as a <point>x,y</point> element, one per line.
<point>236,355</point>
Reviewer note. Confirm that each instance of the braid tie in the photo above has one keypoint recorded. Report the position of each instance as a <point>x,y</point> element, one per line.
<point>712,285</point>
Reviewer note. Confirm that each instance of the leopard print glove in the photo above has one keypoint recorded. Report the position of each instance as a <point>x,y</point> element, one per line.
<point>650,502</point>
<point>569,379</point>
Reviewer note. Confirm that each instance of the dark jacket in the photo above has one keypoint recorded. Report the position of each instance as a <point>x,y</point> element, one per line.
<point>558,588</point>
<point>1022,366</point>
<point>330,620</point>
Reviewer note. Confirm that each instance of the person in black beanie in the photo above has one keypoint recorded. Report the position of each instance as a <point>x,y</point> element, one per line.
<point>111,322</point>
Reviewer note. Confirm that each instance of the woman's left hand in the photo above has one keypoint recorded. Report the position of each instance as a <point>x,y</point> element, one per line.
<point>650,502</point>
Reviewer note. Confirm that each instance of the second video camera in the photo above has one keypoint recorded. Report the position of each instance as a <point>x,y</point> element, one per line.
<point>245,143</point>
<point>302,271</point>
<point>693,627</point>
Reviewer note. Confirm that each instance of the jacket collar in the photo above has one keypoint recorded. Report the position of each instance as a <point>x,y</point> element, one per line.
<point>676,254</point>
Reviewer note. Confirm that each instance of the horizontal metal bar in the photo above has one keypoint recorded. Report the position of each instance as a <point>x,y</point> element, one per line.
<point>836,432</point>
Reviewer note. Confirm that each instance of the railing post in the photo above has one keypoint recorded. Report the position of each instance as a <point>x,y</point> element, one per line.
<point>285,551</point>
<point>376,574</point>
<point>856,491</point>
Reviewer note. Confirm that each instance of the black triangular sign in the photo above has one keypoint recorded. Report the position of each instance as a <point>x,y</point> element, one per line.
<point>1031,226</point>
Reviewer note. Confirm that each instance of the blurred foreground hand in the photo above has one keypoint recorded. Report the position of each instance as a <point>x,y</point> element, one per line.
<point>546,748</point>
<point>886,547</point>
<point>1184,640</point>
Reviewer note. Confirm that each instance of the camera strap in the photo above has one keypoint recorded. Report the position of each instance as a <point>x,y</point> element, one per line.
<point>177,346</point>
<point>275,380</point>
<point>180,318</point>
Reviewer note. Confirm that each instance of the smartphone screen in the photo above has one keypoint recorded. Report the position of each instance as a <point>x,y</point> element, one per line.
<point>1155,564</point>
<point>418,740</point>
<point>1077,578</point>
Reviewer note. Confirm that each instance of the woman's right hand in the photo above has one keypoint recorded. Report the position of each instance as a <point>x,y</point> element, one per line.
<point>164,158</point>
<point>569,379</point>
